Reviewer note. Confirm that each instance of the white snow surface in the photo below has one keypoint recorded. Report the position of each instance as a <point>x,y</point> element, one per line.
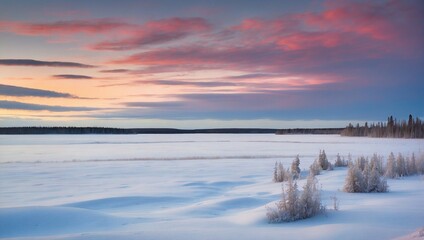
<point>194,186</point>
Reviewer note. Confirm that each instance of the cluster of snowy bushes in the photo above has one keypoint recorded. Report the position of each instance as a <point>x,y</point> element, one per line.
<point>341,162</point>
<point>295,205</point>
<point>403,166</point>
<point>364,175</point>
<point>321,163</point>
<point>370,175</point>
<point>281,174</point>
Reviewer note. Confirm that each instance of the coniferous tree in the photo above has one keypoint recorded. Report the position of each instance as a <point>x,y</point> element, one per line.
<point>375,182</point>
<point>401,167</point>
<point>391,170</point>
<point>340,162</point>
<point>323,160</point>
<point>377,162</point>
<point>392,128</point>
<point>295,169</point>
<point>412,166</point>
<point>420,165</point>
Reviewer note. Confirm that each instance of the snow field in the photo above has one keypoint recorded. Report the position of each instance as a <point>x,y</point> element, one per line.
<point>217,196</point>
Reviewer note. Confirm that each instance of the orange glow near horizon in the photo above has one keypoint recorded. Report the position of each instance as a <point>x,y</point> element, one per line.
<point>312,63</point>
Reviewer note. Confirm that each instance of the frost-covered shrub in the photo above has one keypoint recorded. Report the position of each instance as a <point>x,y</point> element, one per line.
<point>315,169</point>
<point>411,165</point>
<point>323,160</point>
<point>377,163</point>
<point>375,183</point>
<point>293,205</point>
<point>280,173</point>
<point>321,163</point>
<point>349,159</point>
<point>310,200</point>
<point>420,164</point>
<point>340,162</point>
<point>360,162</point>
<point>354,181</point>
<point>330,167</point>
<point>295,169</point>
<point>391,168</point>
<point>401,166</point>
<point>363,176</point>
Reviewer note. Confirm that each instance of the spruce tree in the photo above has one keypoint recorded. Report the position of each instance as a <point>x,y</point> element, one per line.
<point>391,170</point>
<point>295,169</point>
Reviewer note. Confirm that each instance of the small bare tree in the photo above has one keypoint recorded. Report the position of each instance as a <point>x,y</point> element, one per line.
<point>336,203</point>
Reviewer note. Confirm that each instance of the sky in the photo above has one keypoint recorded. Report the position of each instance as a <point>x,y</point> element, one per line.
<point>210,64</point>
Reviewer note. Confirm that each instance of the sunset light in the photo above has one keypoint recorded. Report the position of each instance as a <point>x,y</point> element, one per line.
<point>66,63</point>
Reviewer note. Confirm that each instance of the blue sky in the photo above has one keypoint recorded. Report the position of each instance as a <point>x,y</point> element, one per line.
<point>205,64</point>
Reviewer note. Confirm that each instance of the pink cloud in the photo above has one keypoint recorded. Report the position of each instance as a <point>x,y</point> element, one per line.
<point>305,40</point>
<point>392,23</point>
<point>63,27</point>
<point>388,27</point>
<point>203,57</point>
<point>251,24</point>
<point>134,35</point>
<point>156,32</point>
<point>341,33</point>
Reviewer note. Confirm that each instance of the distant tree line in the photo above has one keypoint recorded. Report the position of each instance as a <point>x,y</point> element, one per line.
<point>413,128</point>
<point>103,130</point>
<point>309,131</point>
<point>63,130</point>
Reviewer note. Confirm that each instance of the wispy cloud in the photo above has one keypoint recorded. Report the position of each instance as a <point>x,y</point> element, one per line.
<point>344,33</point>
<point>91,26</point>
<point>173,105</point>
<point>185,83</point>
<point>177,82</point>
<point>71,76</point>
<point>279,104</point>
<point>9,90</point>
<point>38,63</point>
<point>134,35</point>
<point>253,76</point>
<point>120,70</point>
<point>13,105</point>
<point>156,32</point>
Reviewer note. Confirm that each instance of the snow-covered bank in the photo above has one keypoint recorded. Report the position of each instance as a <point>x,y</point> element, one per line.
<point>44,221</point>
<point>191,199</point>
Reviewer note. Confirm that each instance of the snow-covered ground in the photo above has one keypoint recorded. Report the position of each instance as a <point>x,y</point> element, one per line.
<point>190,187</point>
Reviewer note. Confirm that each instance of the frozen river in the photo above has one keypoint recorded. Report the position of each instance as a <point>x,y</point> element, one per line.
<point>62,148</point>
